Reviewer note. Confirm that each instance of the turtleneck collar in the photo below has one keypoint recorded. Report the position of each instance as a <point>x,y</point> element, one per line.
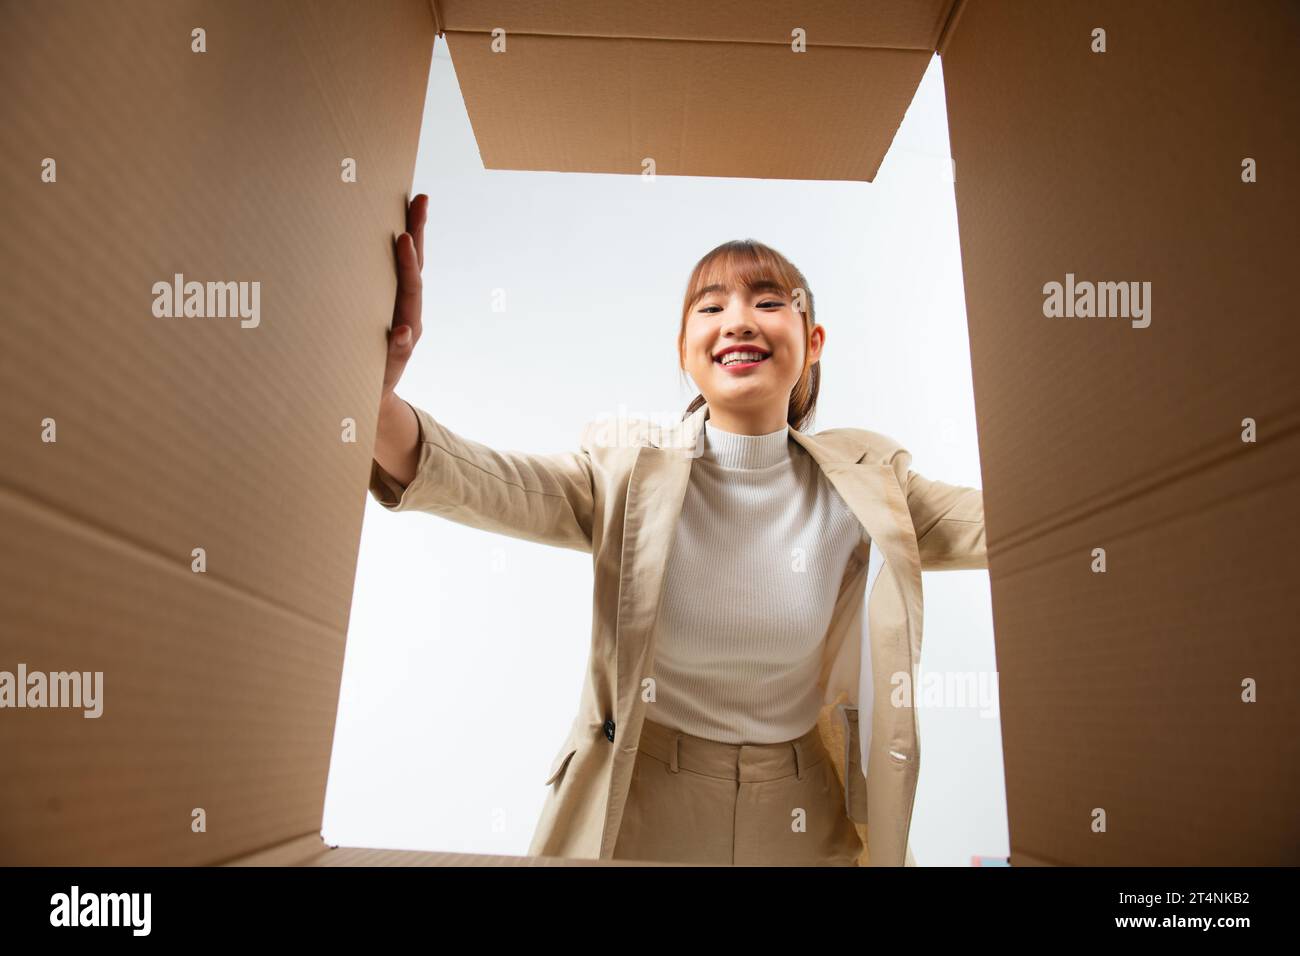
<point>748,452</point>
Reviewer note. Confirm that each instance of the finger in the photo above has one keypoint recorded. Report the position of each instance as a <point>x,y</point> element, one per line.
<point>409,287</point>
<point>416,229</point>
<point>400,344</point>
<point>417,212</point>
<point>412,214</point>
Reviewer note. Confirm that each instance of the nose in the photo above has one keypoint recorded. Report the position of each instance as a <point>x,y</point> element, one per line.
<point>736,321</point>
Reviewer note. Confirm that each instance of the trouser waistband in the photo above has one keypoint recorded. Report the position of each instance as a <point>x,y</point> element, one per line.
<point>740,762</point>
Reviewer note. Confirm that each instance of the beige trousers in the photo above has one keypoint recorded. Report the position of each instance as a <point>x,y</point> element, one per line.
<point>694,800</point>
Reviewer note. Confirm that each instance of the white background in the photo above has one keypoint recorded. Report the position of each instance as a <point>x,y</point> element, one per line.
<point>466,650</point>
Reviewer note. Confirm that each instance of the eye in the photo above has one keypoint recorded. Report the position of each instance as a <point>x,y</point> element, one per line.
<point>766,303</point>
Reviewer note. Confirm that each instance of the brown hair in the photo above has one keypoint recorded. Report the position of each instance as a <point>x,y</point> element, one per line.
<point>757,266</point>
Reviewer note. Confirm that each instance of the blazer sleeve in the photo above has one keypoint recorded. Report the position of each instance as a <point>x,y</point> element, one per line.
<point>548,499</point>
<point>949,520</point>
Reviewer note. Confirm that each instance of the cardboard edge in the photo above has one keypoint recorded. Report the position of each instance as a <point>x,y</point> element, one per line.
<point>297,851</point>
<point>346,856</point>
<point>949,27</point>
<point>949,18</point>
<point>1025,858</point>
<point>473,31</point>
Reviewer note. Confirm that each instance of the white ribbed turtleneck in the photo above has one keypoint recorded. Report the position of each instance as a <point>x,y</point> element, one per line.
<point>759,554</point>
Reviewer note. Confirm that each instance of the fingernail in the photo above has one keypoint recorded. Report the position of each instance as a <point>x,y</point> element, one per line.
<point>402,336</point>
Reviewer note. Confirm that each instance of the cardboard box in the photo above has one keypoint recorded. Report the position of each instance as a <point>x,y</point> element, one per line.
<point>1120,691</point>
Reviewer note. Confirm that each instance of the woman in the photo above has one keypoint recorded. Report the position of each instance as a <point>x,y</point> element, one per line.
<point>732,558</point>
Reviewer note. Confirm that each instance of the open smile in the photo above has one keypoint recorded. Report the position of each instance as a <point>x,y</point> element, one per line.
<point>738,360</point>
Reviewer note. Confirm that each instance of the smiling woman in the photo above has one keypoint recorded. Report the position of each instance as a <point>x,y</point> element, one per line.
<point>730,766</point>
<point>732,562</point>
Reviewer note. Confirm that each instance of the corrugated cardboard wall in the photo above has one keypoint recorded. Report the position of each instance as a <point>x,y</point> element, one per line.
<point>219,688</point>
<point>697,89</point>
<point>1121,691</point>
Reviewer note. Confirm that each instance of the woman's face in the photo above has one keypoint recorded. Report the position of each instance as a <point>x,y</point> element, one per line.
<point>763,323</point>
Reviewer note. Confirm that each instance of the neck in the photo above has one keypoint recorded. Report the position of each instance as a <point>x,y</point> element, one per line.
<point>748,421</point>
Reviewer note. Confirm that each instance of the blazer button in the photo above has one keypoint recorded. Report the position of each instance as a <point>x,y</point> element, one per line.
<point>609,730</point>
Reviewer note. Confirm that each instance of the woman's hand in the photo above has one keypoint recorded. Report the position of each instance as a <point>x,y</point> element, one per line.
<point>406,309</point>
<point>397,437</point>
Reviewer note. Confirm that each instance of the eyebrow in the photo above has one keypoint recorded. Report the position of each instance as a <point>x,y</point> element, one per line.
<point>764,285</point>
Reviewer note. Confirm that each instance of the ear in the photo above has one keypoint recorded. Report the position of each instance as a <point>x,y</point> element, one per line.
<point>816,341</point>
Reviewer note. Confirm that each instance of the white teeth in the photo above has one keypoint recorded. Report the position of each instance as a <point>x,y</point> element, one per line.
<point>731,358</point>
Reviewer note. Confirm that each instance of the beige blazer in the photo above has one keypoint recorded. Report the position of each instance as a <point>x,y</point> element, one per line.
<point>618,498</point>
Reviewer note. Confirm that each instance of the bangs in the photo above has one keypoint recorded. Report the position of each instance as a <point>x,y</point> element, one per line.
<point>740,265</point>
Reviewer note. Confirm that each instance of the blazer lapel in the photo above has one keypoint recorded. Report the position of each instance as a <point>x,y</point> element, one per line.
<point>655,494</point>
<point>873,494</point>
